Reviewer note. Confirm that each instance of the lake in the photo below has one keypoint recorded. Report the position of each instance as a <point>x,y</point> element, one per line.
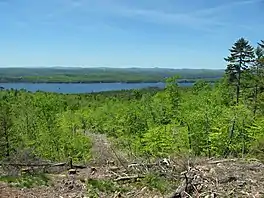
<point>75,88</point>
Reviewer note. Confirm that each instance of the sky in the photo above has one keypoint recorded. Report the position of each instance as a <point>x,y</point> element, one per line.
<point>125,33</point>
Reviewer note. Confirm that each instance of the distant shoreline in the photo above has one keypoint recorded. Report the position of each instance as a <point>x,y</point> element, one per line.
<point>107,75</point>
<point>96,82</point>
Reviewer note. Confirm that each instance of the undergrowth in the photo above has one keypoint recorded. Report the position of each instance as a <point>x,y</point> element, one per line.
<point>26,181</point>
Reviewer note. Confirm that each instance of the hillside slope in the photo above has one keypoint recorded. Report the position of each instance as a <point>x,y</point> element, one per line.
<point>94,75</point>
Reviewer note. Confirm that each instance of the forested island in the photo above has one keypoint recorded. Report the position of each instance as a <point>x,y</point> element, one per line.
<point>104,75</point>
<point>140,143</point>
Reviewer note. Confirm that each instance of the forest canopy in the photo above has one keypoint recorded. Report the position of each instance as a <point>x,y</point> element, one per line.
<point>226,119</point>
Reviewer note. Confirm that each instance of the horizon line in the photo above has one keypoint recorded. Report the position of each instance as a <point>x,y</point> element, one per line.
<point>103,67</point>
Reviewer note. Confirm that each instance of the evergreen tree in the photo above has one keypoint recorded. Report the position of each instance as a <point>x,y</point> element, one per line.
<point>261,44</point>
<point>257,73</point>
<point>241,55</point>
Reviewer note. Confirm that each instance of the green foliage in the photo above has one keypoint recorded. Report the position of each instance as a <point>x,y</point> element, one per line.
<point>156,182</point>
<point>102,185</point>
<point>98,186</point>
<point>26,181</point>
<point>201,85</point>
<point>261,44</point>
<point>257,132</point>
<point>37,121</point>
<point>162,141</point>
<point>205,120</point>
<point>241,55</point>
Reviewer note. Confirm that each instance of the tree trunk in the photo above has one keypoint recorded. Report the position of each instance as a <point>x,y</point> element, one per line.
<point>231,135</point>
<point>7,145</point>
<point>256,92</point>
<point>238,81</point>
<point>255,99</point>
<point>208,142</point>
<point>189,136</point>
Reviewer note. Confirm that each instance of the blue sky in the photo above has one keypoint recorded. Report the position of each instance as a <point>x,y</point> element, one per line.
<point>126,33</point>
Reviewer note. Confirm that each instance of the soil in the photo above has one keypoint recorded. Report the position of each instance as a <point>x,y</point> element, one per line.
<point>193,178</point>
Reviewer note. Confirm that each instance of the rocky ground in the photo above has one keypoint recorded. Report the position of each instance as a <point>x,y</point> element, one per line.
<point>180,178</point>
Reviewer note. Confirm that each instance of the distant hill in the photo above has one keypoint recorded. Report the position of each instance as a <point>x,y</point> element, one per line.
<point>103,74</point>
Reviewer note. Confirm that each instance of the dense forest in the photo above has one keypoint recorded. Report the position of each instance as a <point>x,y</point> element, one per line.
<point>97,75</point>
<point>224,119</point>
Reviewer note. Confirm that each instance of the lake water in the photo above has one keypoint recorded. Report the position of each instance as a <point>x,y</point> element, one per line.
<point>81,87</point>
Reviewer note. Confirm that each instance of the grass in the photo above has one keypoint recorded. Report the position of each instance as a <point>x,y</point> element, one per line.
<point>98,186</point>
<point>157,183</point>
<point>26,181</point>
<point>153,182</point>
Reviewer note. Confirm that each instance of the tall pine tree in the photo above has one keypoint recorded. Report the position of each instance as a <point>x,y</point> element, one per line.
<point>261,44</point>
<point>241,55</point>
<point>257,75</point>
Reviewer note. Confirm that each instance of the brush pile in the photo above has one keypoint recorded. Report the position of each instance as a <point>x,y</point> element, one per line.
<point>165,178</point>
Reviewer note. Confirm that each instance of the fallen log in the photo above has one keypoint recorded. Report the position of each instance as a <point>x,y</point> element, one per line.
<point>34,165</point>
<point>222,161</point>
<point>129,178</point>
<point>77,166</point>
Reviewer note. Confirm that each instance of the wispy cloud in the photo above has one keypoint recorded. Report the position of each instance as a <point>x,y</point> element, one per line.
<point>225,7</point>
<point>167,18</point>
<point>203,19</point>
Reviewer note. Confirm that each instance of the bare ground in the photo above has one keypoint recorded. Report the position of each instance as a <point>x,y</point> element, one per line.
<point>111,175</point>
<point>191,178</point>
